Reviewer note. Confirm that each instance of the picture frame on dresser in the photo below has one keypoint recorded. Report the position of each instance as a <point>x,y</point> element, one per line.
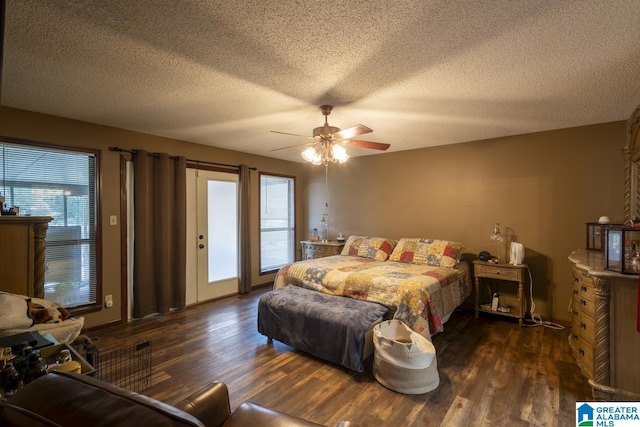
<point>596,237</point>
<point>622,249</point>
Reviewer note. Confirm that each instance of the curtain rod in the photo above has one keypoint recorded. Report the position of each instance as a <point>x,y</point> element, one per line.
<point>118,149</point>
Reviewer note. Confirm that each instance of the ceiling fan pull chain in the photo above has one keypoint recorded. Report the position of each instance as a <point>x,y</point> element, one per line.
<point>326,185</point>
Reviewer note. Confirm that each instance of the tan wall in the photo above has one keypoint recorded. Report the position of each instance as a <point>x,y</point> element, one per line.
<point>26,125</point>
<point>541,188</point>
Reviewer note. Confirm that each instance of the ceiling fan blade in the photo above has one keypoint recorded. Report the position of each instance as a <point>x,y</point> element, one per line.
<point>351,132</point>
<point>291,134</point>
<point>292,146</point>
<point>366,144</point>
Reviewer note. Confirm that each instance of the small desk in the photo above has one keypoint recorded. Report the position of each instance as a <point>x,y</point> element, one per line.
<point>506,272</point>
<point>319,249</point>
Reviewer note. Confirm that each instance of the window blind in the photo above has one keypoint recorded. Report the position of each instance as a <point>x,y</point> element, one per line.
<point>61,184</point>
<point>277,222</point>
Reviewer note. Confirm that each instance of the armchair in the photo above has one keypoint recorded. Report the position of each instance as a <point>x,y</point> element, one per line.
<point>66,399</point>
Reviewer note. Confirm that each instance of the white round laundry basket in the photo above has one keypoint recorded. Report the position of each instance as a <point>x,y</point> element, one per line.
<point>403,360</point>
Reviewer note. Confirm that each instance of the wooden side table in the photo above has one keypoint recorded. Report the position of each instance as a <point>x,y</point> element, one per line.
<point>313,250</point>
<point>506,272</point>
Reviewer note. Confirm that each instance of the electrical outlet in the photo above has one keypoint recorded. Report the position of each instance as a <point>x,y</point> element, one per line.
<point>113,220</point>
<point>108,301</point>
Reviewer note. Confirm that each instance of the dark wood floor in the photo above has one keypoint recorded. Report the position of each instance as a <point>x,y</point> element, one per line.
<point>492,373</point>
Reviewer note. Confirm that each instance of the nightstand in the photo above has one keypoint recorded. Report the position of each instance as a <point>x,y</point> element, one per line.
<point>505,272</point>
<point>313,250</point>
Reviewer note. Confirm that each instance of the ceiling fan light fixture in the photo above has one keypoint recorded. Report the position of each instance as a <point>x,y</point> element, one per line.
<point>313,155</point>
<point>339,154</point>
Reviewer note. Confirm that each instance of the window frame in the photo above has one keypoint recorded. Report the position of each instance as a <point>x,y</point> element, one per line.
<point>292,227</point>
<point>97,186</point>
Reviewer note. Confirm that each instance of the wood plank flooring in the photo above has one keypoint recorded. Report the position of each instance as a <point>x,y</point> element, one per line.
<point>492,373</point>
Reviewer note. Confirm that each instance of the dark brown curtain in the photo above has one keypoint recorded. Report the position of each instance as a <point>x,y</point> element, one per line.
<point>159,264</point>
<point>244,253</point>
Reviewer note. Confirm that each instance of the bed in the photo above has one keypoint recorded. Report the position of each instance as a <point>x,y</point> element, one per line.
<point>420,281</point>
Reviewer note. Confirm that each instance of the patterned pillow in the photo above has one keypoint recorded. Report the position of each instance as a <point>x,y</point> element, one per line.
<point>437,253</point>
<point>377,248</point>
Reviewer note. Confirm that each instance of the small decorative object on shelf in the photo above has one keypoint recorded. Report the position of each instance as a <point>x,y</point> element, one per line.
<point>635,223</point>
<point>324,228</point>
<point>622,249</point>
<point>596,233</point>
<point>340,238</point>
<point>496,236</point>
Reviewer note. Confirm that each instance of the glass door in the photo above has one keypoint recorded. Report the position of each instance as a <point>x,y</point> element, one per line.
<point>212,235</point>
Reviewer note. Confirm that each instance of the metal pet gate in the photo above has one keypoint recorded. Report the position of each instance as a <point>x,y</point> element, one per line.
<point>128,367</point>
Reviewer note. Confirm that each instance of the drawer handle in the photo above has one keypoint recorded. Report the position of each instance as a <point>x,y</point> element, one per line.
<point>575,292</point>
<point>583,302</point>
<point>583,326</point>
<point>575,313</point>
<point>575,337</point>
<point>584,288</point>
<point>581,351</point>
<point>575,279</point>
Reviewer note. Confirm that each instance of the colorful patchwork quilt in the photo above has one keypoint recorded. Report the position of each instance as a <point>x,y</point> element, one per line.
<point>418,295</point>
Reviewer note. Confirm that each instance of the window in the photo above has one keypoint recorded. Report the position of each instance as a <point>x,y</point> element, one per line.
<point>62,184</point>
<point>277,228</point>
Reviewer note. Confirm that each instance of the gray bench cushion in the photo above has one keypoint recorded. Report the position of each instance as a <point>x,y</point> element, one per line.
<point>329,327</point>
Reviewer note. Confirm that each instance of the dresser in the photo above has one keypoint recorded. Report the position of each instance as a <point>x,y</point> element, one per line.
<point>313,250</point>
<point>22,251</point>
<point>604,340</point>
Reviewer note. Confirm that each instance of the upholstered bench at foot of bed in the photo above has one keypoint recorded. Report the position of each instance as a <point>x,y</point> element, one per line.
<point>332,328</point>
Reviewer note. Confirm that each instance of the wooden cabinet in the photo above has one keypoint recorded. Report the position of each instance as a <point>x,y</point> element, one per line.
<point>507,272</point>
<point>22,250</point>
<point>604,340</point>
<point>313,250</point>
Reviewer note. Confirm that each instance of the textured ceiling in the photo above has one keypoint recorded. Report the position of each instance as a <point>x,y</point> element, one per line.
<point>420,73</point>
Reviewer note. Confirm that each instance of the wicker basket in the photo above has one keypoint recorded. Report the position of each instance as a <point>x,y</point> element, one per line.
<point>404,361</point>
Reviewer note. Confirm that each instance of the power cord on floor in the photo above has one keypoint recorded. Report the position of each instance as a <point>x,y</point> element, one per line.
<point>536,319</point>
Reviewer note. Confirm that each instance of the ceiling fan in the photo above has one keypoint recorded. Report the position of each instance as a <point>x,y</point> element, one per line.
<point>327,146</point>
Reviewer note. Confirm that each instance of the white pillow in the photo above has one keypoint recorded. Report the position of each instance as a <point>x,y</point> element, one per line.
<point>14,312</point>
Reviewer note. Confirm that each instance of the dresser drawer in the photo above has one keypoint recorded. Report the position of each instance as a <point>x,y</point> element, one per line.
<point>582,284</point>
<point>583,293</point>
<point>584,305</point>
<point>582,278</point>
<point>583,353</point>
<point>313,250</point>
<point>584,327</point>
<point>495,272</point>
<point>313,253</point>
